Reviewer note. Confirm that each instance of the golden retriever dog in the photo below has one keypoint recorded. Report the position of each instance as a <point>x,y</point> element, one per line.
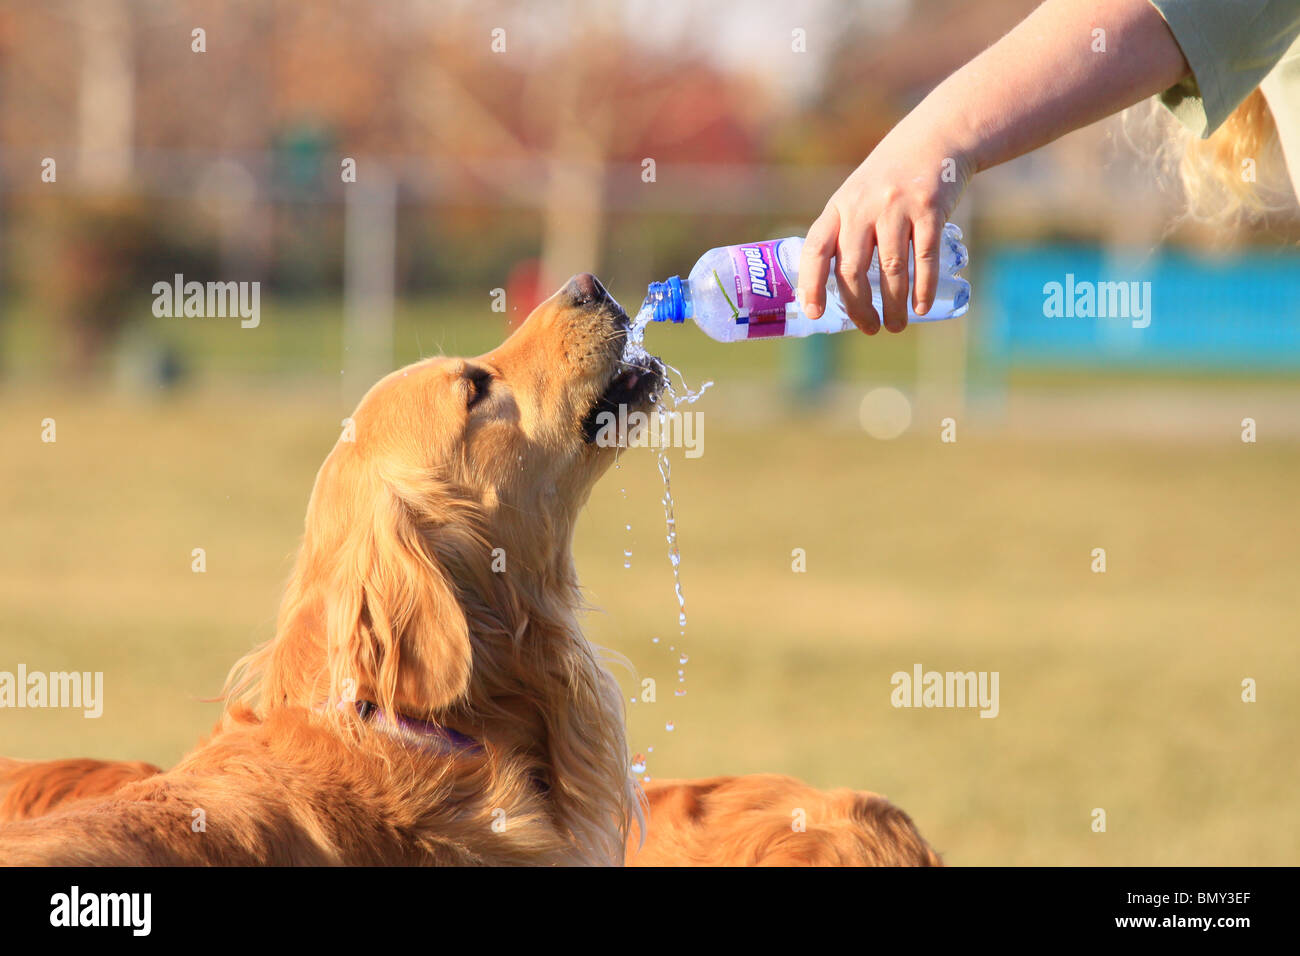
<point>766,819</point>
<point>34,788</point>
<point>428,697</point>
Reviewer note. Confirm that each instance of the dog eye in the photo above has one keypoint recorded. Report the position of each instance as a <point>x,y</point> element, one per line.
<point>479,381</point>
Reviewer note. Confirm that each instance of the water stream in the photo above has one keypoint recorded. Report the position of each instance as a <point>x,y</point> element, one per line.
<point>670,400</point>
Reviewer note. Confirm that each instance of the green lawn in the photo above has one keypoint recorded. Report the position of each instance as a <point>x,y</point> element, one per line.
<point>1118,690</point>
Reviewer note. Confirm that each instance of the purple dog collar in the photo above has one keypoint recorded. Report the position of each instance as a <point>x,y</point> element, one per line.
<point>428,733</point>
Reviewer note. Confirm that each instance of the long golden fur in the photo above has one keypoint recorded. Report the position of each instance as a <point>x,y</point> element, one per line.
<point>398,599</point>
<point>33,788</point>
<point>766,819</point>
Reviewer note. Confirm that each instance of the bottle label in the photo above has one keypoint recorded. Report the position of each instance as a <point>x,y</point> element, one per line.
<point>763,290</point>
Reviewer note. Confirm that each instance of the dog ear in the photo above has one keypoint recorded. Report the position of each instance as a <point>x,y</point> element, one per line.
<point>396,627</point>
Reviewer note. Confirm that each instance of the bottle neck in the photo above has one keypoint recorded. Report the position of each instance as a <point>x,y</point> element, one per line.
<point>671,300</point>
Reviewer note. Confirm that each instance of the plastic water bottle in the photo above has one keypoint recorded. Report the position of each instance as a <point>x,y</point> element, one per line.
<point>747,291</point>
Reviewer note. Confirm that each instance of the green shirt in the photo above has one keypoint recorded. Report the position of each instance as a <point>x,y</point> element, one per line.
<point>1233,47</point>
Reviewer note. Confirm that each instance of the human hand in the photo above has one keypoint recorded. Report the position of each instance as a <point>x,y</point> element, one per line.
<point>903,192</point>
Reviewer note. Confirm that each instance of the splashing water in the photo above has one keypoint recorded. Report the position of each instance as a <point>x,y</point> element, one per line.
<point>635,354</point>
<point>627,552</point>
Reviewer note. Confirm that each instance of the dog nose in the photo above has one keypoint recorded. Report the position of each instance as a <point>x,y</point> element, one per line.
<point>585,289</point>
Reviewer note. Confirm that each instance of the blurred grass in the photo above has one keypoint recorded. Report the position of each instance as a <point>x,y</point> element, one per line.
<point>300,338</point>
<point>1119,691</point>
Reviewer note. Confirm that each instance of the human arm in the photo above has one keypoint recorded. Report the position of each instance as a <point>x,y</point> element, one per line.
<point>1050,75</point>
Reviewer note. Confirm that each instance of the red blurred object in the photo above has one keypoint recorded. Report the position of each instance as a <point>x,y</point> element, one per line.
<point>523,291</point>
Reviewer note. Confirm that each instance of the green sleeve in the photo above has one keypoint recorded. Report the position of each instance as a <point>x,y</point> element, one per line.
<point>1230,48</point>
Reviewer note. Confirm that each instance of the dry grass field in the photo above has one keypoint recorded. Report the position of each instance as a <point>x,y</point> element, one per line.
<point>1119,691</point>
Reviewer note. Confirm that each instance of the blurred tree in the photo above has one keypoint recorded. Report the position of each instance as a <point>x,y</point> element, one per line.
<point>572,100</point>
<point>872,79</point>
<point>596,100</point>
<point>92,261</point>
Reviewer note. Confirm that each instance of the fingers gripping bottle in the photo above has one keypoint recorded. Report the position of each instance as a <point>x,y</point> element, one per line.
<point>748,291</point>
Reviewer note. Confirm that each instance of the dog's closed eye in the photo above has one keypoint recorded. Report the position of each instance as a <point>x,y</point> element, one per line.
<point>478,382</point>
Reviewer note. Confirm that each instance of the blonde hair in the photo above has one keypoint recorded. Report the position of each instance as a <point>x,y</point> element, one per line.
<point>1237,174</point>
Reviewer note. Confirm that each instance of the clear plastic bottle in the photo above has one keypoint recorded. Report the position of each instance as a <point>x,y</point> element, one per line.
<point>748,291</point>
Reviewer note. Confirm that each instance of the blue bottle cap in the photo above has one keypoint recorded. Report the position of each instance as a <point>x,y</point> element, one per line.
<point>669,303</point>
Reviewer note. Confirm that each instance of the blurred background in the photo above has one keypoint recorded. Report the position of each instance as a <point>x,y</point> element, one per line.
<point>500,147</point>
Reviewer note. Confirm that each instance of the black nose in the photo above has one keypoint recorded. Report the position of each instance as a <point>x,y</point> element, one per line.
<point>585,289</point>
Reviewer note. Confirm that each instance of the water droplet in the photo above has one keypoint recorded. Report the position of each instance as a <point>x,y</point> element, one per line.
<point>679,692</point>
<point>654,640</point>
<point>638,763</point>
<point>683,659</point>
<point>670,726</point>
